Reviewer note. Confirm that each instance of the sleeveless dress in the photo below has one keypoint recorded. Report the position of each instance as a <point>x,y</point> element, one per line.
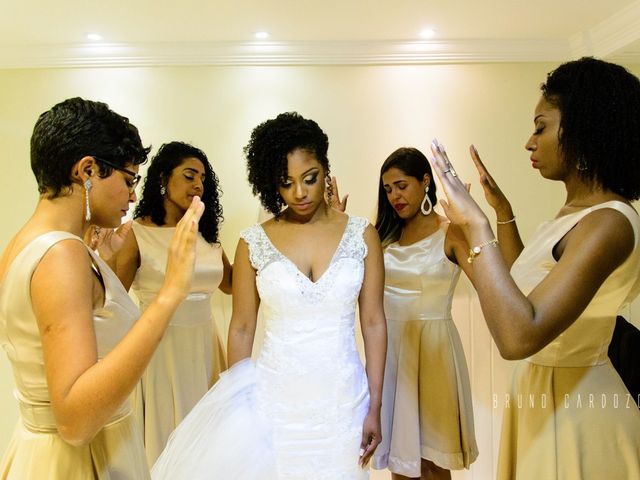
<point>190,357</point>
<point>297,413</point>
<point>426,401</point>
<point>36,450</point>
<point>569,414</point>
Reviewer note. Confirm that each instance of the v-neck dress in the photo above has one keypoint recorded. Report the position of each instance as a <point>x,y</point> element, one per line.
<point>297,413</point>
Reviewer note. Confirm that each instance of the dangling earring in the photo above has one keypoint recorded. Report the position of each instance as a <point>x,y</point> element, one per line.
<point>582,164</point>
<point>163,190</point>
<point>425,200</point>
<point>87,211</point>
<point>329,190</point>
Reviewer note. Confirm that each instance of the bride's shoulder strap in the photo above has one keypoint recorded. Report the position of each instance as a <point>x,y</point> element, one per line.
<point>354,245</point>
<point>260,251</point>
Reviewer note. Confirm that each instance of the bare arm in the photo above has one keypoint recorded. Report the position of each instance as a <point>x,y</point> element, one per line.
<point>126,261</point>
<point>457,249</point>
<point>508,235</point>
<point>245,306</point>
<point>374,333</point>
<point>227,271</point>
<point>522,325</point>
<point>85,393</point>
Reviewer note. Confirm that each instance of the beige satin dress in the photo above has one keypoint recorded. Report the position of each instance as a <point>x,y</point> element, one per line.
<point>426,401</point>
<point>36,451</point>
<point>570,415</point>
<point>190,356</point>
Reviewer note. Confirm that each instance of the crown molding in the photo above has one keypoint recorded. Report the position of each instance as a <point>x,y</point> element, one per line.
<point>277,53</point>
<point>609,37</point>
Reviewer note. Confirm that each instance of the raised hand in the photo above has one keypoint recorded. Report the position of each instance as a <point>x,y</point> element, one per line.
<point>334,200</point>
<point>495,198</point>
<point>459,207</point>
<point>182,253</point>
<point>371,437</point>
<point>107,241</point>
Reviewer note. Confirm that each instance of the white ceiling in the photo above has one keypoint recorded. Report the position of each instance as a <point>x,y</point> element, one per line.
<point>41,33</point>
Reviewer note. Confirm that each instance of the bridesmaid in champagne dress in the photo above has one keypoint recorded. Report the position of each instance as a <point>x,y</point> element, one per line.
<point>190,356</point>
<point>556,310</point>
<point>66,323</point>
<point>427,415</point>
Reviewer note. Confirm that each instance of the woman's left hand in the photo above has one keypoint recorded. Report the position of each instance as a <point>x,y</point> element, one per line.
<point>459,206</point>
<point>107,241</point>
<point>371,437</point>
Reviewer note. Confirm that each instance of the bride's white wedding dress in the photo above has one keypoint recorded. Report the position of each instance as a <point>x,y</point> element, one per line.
<point>296,413</point>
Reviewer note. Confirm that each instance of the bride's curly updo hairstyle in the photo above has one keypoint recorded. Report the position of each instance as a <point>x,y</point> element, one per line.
<point>267,151</point>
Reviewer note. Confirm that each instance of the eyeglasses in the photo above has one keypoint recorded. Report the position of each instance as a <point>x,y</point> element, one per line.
<point>135,177</point>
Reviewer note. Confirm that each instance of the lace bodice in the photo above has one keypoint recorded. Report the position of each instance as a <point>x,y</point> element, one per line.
<point>311,381</point>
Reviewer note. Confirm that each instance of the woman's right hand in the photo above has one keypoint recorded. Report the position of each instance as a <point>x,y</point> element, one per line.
<point>182,253</point>
<point>495,198</point>
<point>334,199</point>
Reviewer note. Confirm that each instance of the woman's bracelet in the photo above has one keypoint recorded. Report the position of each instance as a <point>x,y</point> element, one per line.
<point>511,220</point>
<point>475,251</point>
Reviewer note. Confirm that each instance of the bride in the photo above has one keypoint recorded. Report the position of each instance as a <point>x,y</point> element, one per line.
<point>306,409</point>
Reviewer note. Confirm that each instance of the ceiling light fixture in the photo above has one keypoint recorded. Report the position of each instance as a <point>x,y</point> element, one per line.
<point>427,33</point>
<point>261,35</point>
<point>94,37</point>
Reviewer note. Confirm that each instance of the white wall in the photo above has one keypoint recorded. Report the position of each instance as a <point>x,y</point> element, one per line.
<point>367,111</point>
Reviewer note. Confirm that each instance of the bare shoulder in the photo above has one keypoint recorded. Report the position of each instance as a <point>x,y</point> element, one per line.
<point>67,262</point>
<point>271,224</point>
<point>455,237</point>
<point>602,230</point>
<point>371,234</point>
<point>609,225</point>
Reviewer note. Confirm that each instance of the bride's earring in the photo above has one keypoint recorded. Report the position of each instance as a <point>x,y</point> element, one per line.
<point>329,189</point>
<point>87,211</point>
<point>426,200</point>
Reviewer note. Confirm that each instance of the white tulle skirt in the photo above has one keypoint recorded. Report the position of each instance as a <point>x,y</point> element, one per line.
<point>224,436</point>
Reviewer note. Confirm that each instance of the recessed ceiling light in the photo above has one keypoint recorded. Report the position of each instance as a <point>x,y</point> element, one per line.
<point>427,33</point>
<point>94,37</point>
<point>261,35</point>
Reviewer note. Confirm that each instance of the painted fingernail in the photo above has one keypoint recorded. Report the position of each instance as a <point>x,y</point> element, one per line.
<point>361,451</point>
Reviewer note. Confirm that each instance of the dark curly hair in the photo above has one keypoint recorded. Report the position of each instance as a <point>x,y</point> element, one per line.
<point>267,151</point>
<point>413,163</point>
<point>169,156</point>
<point>77,128</point>
<point>599,105</point>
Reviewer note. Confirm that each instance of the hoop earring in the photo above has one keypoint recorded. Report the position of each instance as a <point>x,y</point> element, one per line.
<point>163,190</point>
<point>87,211</point>
<point>425,200</point>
